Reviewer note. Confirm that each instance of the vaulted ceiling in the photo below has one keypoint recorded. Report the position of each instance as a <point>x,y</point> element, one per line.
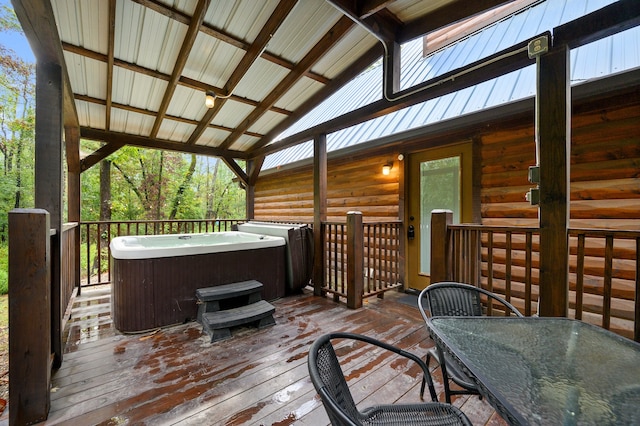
<point>137,71</point>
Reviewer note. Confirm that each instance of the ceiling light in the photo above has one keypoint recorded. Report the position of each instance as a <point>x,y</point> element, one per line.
<point>210,99</point>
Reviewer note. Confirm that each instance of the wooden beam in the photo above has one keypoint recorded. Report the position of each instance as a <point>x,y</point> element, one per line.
<point>223,36</point>
<point>181,60</point>
<point>98,155</point>
<point>146,142</point>
<point>553,133</point>
<point>110,58</point>
<point>501,63</point>
<point>39,26</point>
<point>236,169</point>
<point>609,20</point>
<point>329,40</point>
<point>86,98</point>
<point>444,16</point>
<point>184,81</point>
<point>319,209</point>
<point>336,84</point>
<point>271,26</point>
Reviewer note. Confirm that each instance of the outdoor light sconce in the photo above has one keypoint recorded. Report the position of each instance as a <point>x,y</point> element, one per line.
<point>386,169</point>
<point>210,99</point>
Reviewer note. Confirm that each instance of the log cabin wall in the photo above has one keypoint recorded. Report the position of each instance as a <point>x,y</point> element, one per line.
<point>605,193</point>
<point>605,168</point>
<point>354,183</point>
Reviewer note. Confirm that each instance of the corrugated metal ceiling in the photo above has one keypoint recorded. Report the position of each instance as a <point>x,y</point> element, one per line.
<point>607,56</point>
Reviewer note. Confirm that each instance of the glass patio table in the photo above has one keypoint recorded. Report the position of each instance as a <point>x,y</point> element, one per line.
<point>546,371</point>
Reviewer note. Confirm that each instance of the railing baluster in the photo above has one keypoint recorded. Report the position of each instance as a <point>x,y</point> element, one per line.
<point>579,276</point>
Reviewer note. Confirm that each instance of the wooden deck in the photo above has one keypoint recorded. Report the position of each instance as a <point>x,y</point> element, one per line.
<point>258,377</point>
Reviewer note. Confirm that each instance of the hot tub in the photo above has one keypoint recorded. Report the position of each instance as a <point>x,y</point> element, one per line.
<point>155,276</point>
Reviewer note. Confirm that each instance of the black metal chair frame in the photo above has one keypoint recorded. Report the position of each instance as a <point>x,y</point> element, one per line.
<point>461,300</point>
<point>329,381</point>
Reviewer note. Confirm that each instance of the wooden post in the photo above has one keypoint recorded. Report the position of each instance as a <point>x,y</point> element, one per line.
<point>440,256</point>
<point>319,210</point>
<point>49,179</point>
<point>29,316</point>
<point>553,133</point>
<point>355,260</point>
<point>72,144</point>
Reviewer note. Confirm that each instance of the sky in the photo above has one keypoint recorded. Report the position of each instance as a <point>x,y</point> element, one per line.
<point>16,42</point>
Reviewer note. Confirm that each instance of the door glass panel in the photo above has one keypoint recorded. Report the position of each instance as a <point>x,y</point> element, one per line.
<point>439,189</point>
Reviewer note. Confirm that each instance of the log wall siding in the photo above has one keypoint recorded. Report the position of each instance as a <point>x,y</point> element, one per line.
<point>352,184</point>
<point>605,170</point>
<point>605,193</point>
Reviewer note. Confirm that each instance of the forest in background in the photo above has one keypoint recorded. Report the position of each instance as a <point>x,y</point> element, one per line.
<point>131,184</point>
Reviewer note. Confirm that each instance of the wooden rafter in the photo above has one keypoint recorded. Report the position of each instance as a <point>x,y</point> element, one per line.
<point>224,36</point>
<point>110,57</point>
<point>183,81</point>
<point>146,142</point>
<point>271,26</point>
<point>124,107</point>
<point>181,60</point>
<point>356,68</point>
<point>327,42</point>
<point>494,66</point>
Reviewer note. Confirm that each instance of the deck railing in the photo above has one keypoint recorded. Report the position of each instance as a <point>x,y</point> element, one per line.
<point>604,277</point>
<point>379,269</point>
<point>95,237</point>
<point>361,259</point>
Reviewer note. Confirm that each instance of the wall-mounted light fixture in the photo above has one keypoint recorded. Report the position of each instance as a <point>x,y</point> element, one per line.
<point>210,99</point>
<point>386,169</point>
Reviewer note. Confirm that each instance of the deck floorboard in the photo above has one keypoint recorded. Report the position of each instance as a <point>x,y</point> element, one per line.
<point>175,376</point>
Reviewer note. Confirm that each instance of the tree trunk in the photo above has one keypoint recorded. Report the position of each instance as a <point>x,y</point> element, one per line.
<point>180,192</point>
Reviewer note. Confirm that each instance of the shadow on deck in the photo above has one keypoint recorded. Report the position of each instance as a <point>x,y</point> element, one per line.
<point>259,377</point>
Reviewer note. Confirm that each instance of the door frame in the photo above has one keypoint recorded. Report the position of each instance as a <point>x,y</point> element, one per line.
<point>465,149</point>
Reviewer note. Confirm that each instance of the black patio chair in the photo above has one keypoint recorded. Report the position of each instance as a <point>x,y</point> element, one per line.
<point>328,379</point>
<point>457,299</point>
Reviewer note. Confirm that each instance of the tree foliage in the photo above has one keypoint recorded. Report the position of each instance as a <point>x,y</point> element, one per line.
<point>149,184</point>
<point>17,124</point>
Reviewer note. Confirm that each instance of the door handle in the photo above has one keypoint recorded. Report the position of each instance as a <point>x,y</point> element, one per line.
<point>411,232</point>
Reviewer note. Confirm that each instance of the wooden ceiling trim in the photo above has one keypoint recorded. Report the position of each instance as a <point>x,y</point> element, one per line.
<point>444,16</point>
<point>146,142</point>
<point>264,36</point>
<point>110,57</point>
<point>90,99</point>
<point>336,84</point>
<point>181,60</point>
<point>334,35</point>
<point>184,81</point>
<point>175,14</point>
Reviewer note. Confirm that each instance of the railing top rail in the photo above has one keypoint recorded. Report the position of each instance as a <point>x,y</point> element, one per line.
<point>493,228</point>
<point>617,233</point>
<point>106,222</point>
<point>364,222</point>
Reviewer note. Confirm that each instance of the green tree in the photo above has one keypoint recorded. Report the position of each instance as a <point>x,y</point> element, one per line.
<point>17,124</point>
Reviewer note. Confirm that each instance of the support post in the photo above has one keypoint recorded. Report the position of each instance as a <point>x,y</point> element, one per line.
<point>29,316</point>
<point>553,133</point>
<point>355,260</point>
<point>319,210</point>
<point>440,247</point>
<point>49,179</point>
